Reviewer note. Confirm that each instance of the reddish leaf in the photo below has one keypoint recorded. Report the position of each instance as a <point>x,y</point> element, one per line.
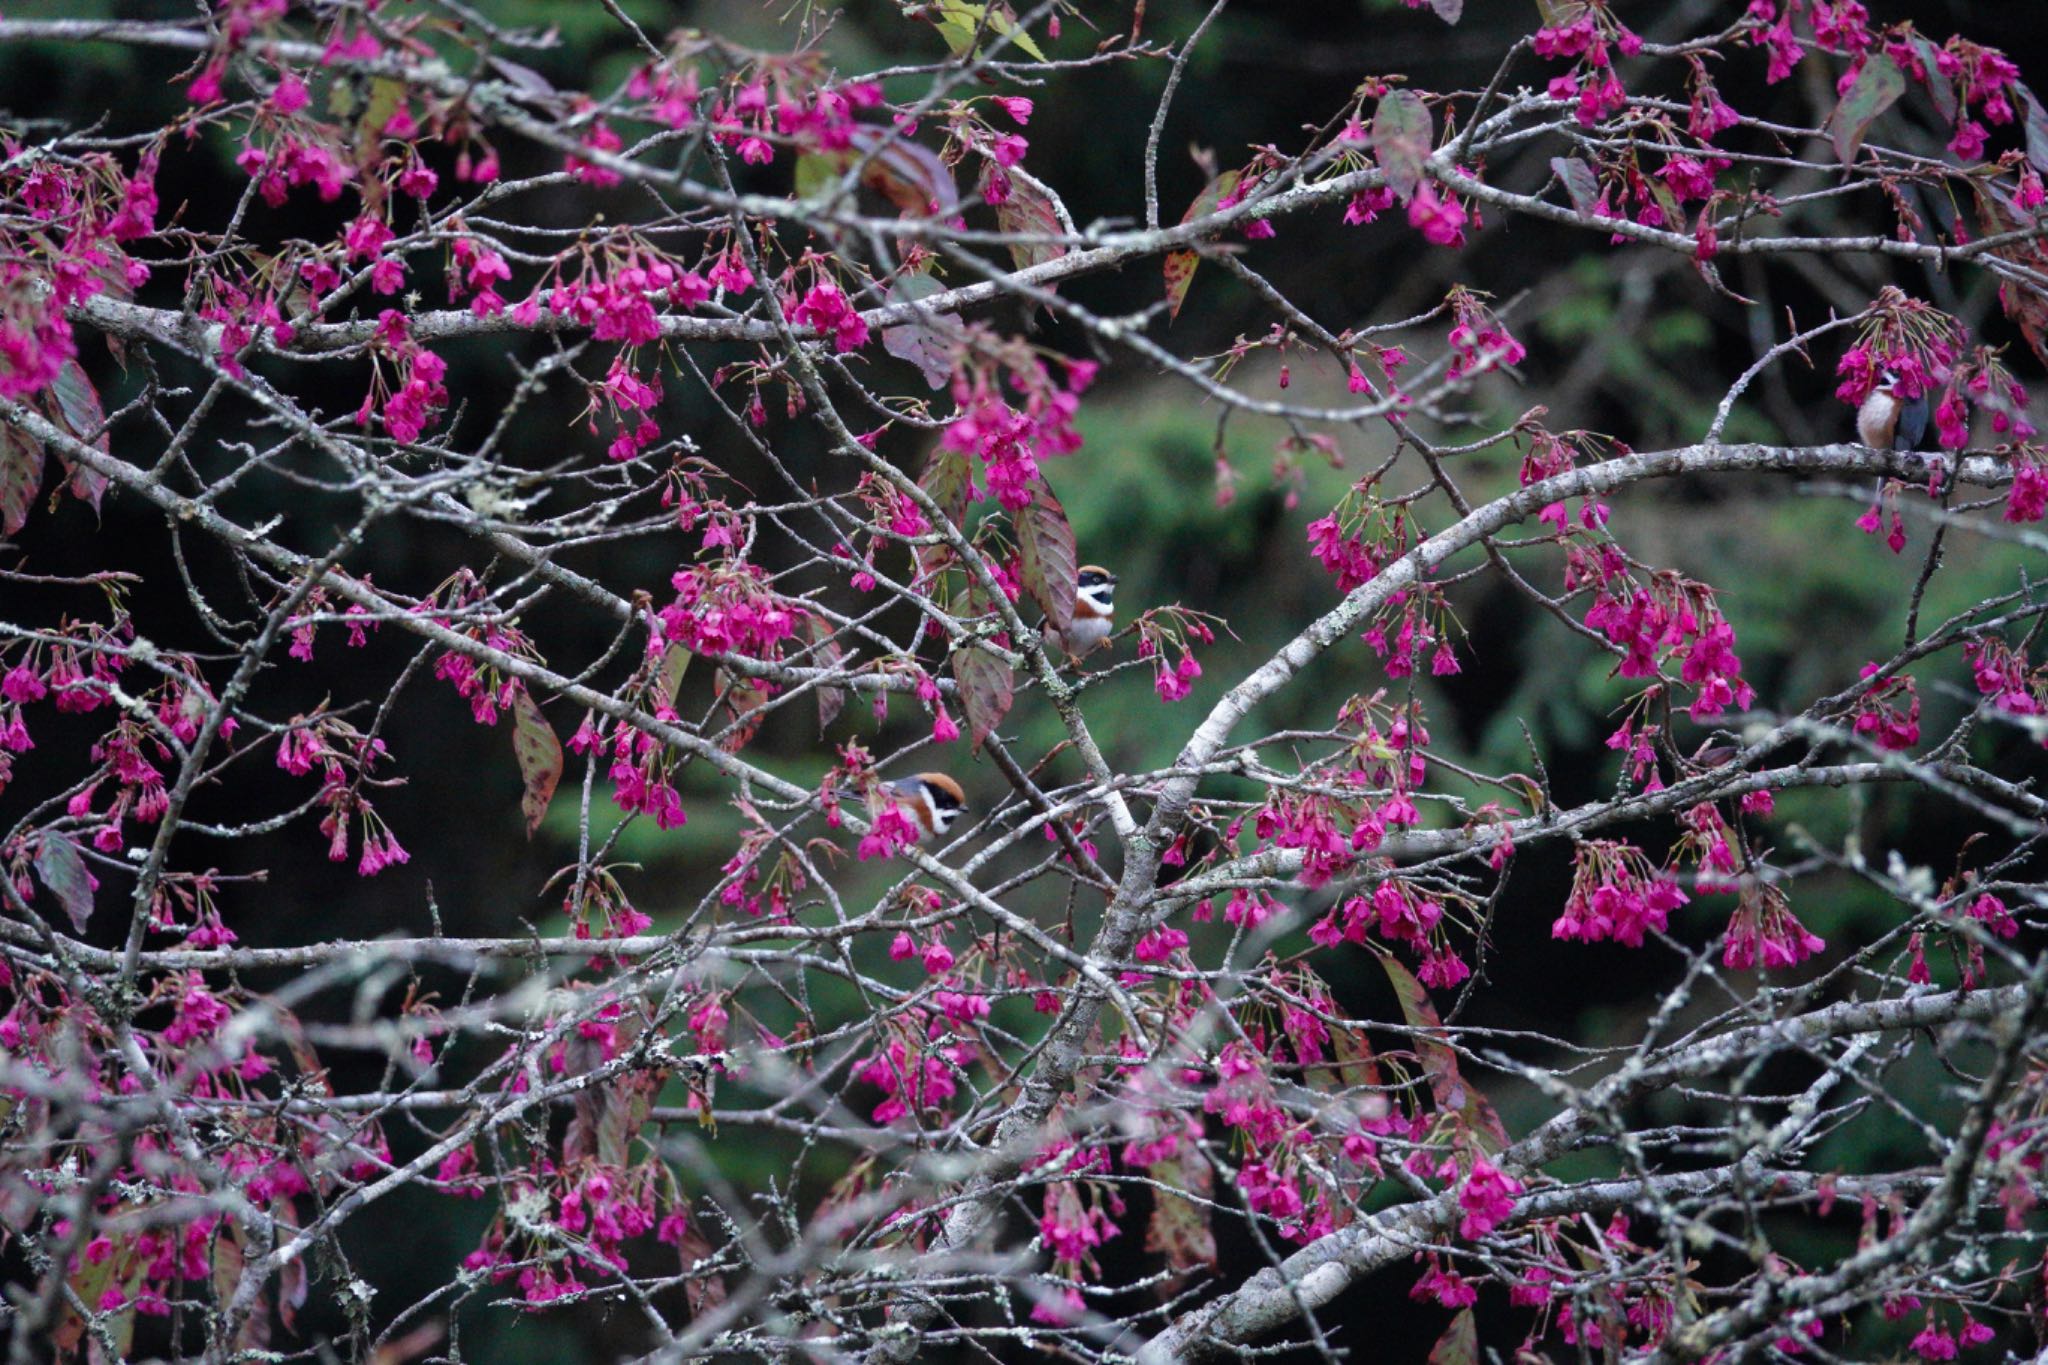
<point>411,1346</point>
<point>1029,213</point>
<point>1580,182</point>
<point>927,342</point>
<point>1459,1345</point>
<point>1354,1063</point>
<point>1939,87</point>
<point>825,653</point>
<point>1878,86</point>
<point>1049,564</point>
<point>1997,215</point>
<point>744,699</point>
<point>293,1284</point>
<point>2037,129</point>
<point>705,1292</point>
<point>76,406</point>
<point>985,690</point>
<point>525,77</point>
<point>227,1268</point>
<point>1453,1093</point>
<point>539,751</point>
<point>1180,265</point>
<point>906,174</point>
<point>63,872</point>
<point>21,474</point>
<point>1179,1228</point>
<point>945,479</point>
<point>1402,133</point>
<point>628,1101</point>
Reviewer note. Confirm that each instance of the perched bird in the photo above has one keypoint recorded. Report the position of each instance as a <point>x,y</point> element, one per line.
<point>932,800</point>
<point>1888,420</point>
<point>1094,605</point>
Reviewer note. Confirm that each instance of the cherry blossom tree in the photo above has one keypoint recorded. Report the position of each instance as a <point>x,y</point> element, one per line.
<point>697,436</point>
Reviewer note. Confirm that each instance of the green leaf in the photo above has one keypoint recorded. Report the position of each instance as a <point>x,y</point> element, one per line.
<point>63,872</point>
<point>1878,86</point>
<point>1180,265</point>
<point>675,661</point>
<point>817,172</point>
<point>985,690</point>
<point>926,342</point>
<point>1402,134</point>
<point>386,94</point>
<point>1580,182</point>
<point>1459,1345</point>
<point>1450,11</point>
<point>21,474</point>
<point>1453,1093</point>
<point>1558,13</point>
<point>1048,561</point>
<point>960,23</point>
<point>539,751</point>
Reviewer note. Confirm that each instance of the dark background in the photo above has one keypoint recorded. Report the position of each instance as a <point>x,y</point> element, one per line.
<point>1621,341</point>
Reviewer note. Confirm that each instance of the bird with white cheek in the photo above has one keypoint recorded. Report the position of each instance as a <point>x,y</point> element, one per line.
<point>1888,420</point>
<point>933,801</point>
<point>1094,615</point>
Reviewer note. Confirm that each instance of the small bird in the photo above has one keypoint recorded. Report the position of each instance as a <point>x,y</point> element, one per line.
<point>1888,420</point>
<point>933,800</point>
<point>1094,606</point>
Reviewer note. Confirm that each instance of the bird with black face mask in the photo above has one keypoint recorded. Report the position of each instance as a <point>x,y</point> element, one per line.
<point>933,801</point>
<point>1888,419</point>
<point>1093,620</point>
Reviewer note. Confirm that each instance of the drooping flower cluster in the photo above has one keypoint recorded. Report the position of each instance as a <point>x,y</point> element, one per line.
<point>1175,630</point>
<point>1077,1216</point>
<point>785,99</point>
<point>1359,536</point>
<point>1763,931</point>
<point>2004,678</point>
<point>68,246</point>
<point>1010,440</point>
<point>1589,39</point>
<point>826,307</point>
<point>580,1215</point>
<point>915,1069</point>
<point>1888,711</point>
<point>726,608</point>
<point>414,402</point>
<point>1617,894</point>
<point>1672,620</point>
